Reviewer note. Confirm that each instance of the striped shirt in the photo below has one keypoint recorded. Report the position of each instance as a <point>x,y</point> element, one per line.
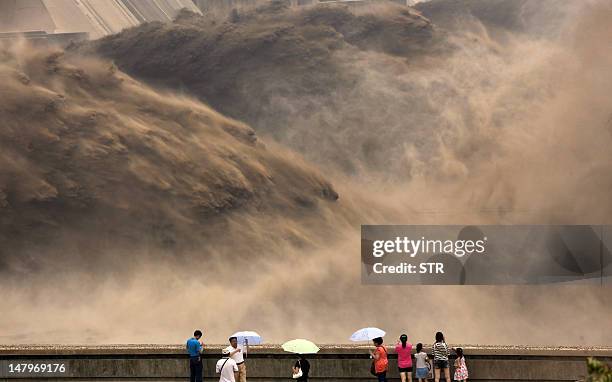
<point>440,351</point>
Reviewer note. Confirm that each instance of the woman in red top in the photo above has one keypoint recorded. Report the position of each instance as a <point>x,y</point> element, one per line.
<point>404,358</point>
<point>381,363</point>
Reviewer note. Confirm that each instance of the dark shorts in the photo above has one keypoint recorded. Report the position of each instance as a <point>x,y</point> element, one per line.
<point>441,364</point>
<point>405,369</point>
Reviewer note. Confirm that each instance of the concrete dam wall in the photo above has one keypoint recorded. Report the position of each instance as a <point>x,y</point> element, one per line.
<point>268,363</point>
<point>94,17</point>
<point>206,5</point>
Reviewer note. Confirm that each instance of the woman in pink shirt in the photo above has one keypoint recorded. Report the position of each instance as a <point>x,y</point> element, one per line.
<point>404,358</point>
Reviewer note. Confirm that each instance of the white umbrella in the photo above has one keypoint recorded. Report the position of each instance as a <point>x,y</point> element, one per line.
<point>367,334</point>
<point>248,337</point>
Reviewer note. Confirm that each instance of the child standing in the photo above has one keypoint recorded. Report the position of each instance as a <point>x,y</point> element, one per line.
<point>421,363</point>
<point>461,371</point>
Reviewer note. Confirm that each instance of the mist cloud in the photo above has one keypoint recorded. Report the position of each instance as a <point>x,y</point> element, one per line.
<point>466,129</point>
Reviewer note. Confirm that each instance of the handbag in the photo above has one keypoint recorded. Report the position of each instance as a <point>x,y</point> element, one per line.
<point>373,368</point>
<point>299,372</point>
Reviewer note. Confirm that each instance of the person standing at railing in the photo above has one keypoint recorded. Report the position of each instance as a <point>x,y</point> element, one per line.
<point>235,352</point>
<point>404,358</point>
<point>440,353</point>
<point>194,348</point>
<point>381,361</point>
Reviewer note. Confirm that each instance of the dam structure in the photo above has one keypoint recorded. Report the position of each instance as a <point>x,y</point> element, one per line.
<point>92,17</point>
<point>334,363</point>
<point>205,5</point>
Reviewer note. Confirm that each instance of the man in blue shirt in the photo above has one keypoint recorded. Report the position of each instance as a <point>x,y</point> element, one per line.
<point>194,347</point>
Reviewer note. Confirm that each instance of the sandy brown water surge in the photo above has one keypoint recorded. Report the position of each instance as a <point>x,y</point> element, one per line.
<point>134,214</point>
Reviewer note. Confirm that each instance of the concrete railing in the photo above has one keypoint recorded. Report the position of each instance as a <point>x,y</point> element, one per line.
<point>267,363</point>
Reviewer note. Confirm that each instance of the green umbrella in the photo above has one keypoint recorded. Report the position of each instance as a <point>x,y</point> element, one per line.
<point>300,346</point>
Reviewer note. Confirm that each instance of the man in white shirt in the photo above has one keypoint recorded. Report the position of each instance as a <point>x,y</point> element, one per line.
<point>236,353</point>
<point>228,369</point>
